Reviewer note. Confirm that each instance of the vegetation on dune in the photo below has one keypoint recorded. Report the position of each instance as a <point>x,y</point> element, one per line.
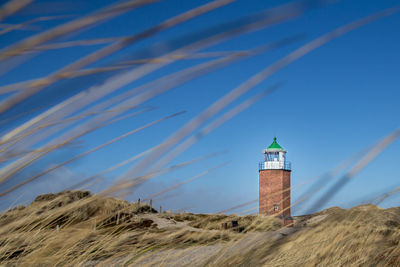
<point>74,227</point>
<point>361,236</point>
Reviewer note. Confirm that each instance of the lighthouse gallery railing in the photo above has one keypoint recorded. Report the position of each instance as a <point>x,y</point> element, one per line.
<point>275,166</point>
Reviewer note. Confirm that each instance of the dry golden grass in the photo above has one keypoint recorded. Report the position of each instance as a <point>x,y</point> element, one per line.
<point>362,236</point>
<point>74,227</point>
<point>96,230</point>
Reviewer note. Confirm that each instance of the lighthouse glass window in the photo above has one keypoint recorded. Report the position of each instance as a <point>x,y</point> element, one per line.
<point>272,156</point>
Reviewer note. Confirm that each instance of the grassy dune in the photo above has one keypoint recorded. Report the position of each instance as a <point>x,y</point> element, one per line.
<point>76,228</point>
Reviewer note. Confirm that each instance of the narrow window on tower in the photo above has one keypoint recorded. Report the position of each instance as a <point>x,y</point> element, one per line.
<point>275,207</point>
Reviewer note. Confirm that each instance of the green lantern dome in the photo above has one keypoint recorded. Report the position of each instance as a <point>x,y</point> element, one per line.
<point>275,145</point>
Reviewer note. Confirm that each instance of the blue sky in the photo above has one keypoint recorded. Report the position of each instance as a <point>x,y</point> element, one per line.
<point>334,102</point>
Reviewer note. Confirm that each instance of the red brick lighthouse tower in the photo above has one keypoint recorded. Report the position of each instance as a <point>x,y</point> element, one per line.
<point>274,176</point>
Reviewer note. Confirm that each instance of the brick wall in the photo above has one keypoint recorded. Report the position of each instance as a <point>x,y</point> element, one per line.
<point>274,189</point>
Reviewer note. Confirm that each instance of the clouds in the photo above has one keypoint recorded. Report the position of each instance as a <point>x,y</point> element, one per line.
<point>54,182</point>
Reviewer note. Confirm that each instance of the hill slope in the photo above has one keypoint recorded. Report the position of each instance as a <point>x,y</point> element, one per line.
<point>72,228</point>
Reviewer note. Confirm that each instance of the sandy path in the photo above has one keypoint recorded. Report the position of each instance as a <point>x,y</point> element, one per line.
<point>196,255</point>
<point>199,255</point>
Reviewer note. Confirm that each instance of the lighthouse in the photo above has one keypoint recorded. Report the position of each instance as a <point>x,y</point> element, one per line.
<point>274,178</point>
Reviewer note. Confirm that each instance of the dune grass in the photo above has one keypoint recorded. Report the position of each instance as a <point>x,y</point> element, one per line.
<point>75,227</point>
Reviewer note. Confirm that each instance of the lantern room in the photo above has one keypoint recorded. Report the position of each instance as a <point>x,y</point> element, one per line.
<point>275,158</point>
